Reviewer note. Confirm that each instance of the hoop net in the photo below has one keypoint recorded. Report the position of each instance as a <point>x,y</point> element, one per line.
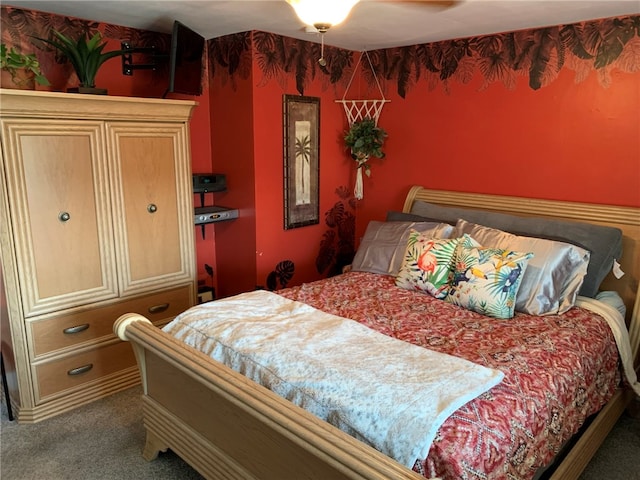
<point>357,110</point>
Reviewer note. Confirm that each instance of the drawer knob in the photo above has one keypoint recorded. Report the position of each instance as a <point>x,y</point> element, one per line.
<point>158,308</point>
<point>64,216</point>
<point>75,329</point>
<point>152,208</point>
<point>80,370</point>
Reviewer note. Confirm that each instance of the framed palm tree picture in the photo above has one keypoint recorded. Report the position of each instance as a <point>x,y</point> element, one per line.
<point>301,160</point>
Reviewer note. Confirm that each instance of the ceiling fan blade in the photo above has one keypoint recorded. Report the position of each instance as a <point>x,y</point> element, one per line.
<point>429,3</point>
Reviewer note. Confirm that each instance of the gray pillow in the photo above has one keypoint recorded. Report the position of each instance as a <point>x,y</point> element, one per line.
<point>604,243</point>
<point>393,216</point>
<point>384,243</point>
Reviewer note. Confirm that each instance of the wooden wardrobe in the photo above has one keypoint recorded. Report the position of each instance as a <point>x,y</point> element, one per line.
<point>96,220</point>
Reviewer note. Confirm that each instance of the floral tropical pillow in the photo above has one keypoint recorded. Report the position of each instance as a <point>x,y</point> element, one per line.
<point>426,264</point>
<point>486,280</point>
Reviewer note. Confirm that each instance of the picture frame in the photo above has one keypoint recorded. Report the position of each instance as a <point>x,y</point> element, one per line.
<point>301,142</point>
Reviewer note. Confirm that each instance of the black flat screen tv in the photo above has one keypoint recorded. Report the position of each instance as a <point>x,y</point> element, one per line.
<point>185,62</point>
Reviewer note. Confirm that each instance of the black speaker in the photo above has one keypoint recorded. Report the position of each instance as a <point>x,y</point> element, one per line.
<point>209,182</point>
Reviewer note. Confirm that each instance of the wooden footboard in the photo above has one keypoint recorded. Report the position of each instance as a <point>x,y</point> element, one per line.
<point>228,427</point>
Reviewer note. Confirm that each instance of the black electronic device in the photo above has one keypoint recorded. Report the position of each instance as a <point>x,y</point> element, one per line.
<point>209,182</point>
<point>185,60</point>
<point>212,214</point>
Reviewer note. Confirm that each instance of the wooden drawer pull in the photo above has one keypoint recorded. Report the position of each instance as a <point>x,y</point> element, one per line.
<point>76,329</point>
<point>159,308</point>
<point>80,370</point>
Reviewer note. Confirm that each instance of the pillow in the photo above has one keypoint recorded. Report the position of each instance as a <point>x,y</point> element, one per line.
<point>486,280</point>
<point>393,216</point>
<point>604,243</point>
<point>613,299</point>
<point>554,275</point>
<point>383,245</point>
<point>426,264</point>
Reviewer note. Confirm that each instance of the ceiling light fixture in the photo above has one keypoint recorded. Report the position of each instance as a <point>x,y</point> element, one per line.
<point>322,14</point>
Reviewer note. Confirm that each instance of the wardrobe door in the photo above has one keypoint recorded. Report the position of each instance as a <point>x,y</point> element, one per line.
<point>153,205</point>
<point>57,185</point>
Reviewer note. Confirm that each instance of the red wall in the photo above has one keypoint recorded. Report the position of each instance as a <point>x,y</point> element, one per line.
<point>247,139</point>
<point>534,126</point>
<point>299,245</point>
<point>566,141</point>
<point>232,138</point>
<point>201,162</point>
<point>572,133</point>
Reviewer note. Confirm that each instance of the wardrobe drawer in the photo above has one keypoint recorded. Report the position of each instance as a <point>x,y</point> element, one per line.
<point>63,331</point>
<point>75,370</point>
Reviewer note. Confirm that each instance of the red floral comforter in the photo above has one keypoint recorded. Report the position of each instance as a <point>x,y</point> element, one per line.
<point>558,370</point>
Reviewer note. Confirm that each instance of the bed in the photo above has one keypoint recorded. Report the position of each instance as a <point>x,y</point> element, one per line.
<point>228,426</point>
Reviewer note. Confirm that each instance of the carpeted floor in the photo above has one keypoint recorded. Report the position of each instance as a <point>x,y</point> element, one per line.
<point>619,456</point>
<point>100,441</point>
<point>104,440</point>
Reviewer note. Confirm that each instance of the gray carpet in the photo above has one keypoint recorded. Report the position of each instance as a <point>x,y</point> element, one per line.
<point>104,440</point>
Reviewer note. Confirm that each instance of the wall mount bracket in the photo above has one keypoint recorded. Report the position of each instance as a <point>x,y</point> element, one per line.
<point>127,58</point>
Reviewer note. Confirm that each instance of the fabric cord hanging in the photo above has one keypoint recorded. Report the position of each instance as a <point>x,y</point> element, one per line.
<point>357,110</point>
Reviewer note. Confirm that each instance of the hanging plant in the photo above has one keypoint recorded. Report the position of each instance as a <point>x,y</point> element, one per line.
<point>23,68</point>
<point>365,140</point>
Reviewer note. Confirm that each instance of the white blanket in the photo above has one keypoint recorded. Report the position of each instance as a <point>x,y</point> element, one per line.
<point>616,322</point>
<point>387,393</point>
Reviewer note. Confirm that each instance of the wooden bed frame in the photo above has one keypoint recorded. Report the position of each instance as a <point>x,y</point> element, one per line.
<point>228,427</point>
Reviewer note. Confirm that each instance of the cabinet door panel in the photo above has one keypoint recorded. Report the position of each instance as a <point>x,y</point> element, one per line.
<point>153,206</point>
<point>61,217</point>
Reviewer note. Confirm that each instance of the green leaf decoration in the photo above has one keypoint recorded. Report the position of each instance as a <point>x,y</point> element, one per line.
<point>15,62</point>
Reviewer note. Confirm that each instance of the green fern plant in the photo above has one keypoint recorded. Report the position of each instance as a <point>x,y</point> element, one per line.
<point>85,54</point>
<point>365,140</point>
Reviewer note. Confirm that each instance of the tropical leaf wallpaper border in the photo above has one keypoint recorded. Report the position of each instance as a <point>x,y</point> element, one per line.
<point>539,54</point>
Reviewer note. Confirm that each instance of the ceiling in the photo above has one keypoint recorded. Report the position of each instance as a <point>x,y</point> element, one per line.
<point>372,24</point>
